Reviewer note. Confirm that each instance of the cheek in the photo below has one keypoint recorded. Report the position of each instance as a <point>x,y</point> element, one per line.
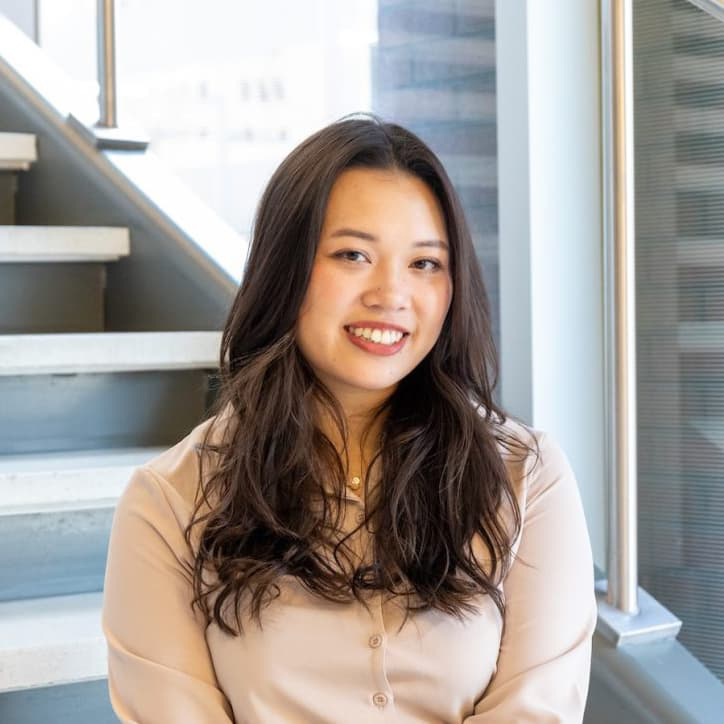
<point>324,295</point>
<point>439,303</point>
<point>326,287</point>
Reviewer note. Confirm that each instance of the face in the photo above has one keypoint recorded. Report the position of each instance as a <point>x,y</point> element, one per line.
<point>382,263</point>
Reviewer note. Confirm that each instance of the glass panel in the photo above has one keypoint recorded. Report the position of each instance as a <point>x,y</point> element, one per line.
<point>225,90</point>
<point>679,141</point>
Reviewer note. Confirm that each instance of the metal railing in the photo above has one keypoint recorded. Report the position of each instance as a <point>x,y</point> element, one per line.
<point>106,133</point>
<point>106,50</point>
<point>626,611</point>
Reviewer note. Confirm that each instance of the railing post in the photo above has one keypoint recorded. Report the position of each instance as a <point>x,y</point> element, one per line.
<point>621,362</point>
<point>106,51</point>
<point>626,611</point>
<point>106,134</point>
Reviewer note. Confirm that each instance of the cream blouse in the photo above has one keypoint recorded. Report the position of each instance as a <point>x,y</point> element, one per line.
<point>317,661</point>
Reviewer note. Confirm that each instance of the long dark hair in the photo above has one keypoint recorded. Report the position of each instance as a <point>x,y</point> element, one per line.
<point>443,477</point>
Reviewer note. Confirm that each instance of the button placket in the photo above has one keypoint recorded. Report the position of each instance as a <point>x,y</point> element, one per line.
<point>381,697</point>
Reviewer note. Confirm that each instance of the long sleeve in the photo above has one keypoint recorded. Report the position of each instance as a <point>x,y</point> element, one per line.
<point>159,666</point>
<point>544,661</point>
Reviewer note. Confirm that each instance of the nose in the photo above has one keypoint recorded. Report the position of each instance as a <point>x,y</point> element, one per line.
<point>387,290</point>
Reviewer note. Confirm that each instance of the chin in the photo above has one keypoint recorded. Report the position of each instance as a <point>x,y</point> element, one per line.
<point>368,384</point>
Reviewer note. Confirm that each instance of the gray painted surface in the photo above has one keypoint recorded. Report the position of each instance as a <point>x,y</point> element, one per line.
<point>45,298</point>
<point>87,412</point>
<point>62,552</point>
<point>654,683</point>
<point>66,704</point>
<point>8,184</point>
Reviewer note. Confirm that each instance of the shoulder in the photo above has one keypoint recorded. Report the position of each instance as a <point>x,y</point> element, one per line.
<point>539,470</point>
<point>534,457</point>
<point>173,477</point>
<point>518,445</point>
<point>546,467</point>
<point>178,466</point>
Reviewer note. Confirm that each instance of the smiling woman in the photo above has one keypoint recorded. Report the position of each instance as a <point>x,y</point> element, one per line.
<point>392,282</point>
<point>357,528</point>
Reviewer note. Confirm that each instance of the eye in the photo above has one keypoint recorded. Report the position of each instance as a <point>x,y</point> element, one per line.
<point>345,254</point>
<point>436,265</point>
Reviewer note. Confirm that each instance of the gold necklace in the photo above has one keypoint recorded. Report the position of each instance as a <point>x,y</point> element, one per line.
<point>356,480</point>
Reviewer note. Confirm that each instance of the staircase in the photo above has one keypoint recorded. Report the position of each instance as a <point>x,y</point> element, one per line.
<point>81,405</point>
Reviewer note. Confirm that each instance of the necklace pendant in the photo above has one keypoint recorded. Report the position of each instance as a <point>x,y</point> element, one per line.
<point>354,483</point>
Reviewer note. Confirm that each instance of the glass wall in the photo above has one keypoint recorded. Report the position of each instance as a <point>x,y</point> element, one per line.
<point>225,90</point>
<point>679,158</point>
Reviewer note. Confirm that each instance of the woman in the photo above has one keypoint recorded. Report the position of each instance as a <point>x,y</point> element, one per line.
<point>358,532</point>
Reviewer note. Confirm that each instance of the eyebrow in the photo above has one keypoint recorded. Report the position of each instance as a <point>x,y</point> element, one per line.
<point>371,237</point>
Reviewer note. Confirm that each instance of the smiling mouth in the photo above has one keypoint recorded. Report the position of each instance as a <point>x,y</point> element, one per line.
<point>348,328</point>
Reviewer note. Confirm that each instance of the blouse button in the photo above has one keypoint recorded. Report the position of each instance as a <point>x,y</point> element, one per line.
<point>380,699</point>
<point>375,640</point>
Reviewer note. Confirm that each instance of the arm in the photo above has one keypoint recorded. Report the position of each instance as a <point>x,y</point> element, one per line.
<point>544,662</point>
<point>159,665</point>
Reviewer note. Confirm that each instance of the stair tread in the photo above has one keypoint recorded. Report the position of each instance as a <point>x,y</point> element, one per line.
<point>17,151</point>
<point>50,482</point>
<point>63,243</point>
<point>52,640</point>
<point>38,354</point>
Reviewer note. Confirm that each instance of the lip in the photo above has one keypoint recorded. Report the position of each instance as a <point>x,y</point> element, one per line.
<point>377,325</point>
<point>383,350</point>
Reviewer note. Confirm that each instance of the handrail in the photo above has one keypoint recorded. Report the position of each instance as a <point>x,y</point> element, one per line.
<point>106,50</point>
<point>626,611</point>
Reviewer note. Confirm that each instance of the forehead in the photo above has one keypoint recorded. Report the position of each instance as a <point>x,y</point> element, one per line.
<point>384,197</point>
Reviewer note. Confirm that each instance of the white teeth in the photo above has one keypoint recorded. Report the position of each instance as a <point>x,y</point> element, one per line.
<point>378,336</point>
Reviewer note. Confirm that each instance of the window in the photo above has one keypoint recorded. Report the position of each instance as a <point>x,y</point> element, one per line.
<point>679,160</point>
<point>225,91</point>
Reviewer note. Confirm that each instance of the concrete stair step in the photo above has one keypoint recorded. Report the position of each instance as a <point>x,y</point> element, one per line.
<point>67,481</point>
<point>51,641</point>
<point>17,151</point>
<point>58,508</point>
<point>63,243</point>
<point>50,354</point>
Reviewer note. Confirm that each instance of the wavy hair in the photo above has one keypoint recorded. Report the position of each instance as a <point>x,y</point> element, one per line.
<point>443,478</point>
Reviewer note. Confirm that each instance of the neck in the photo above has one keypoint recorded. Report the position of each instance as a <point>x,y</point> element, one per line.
<point>362,439</point>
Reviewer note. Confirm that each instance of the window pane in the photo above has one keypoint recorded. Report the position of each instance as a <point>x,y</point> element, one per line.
<point>679,141</point>
<point>225,90</point>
